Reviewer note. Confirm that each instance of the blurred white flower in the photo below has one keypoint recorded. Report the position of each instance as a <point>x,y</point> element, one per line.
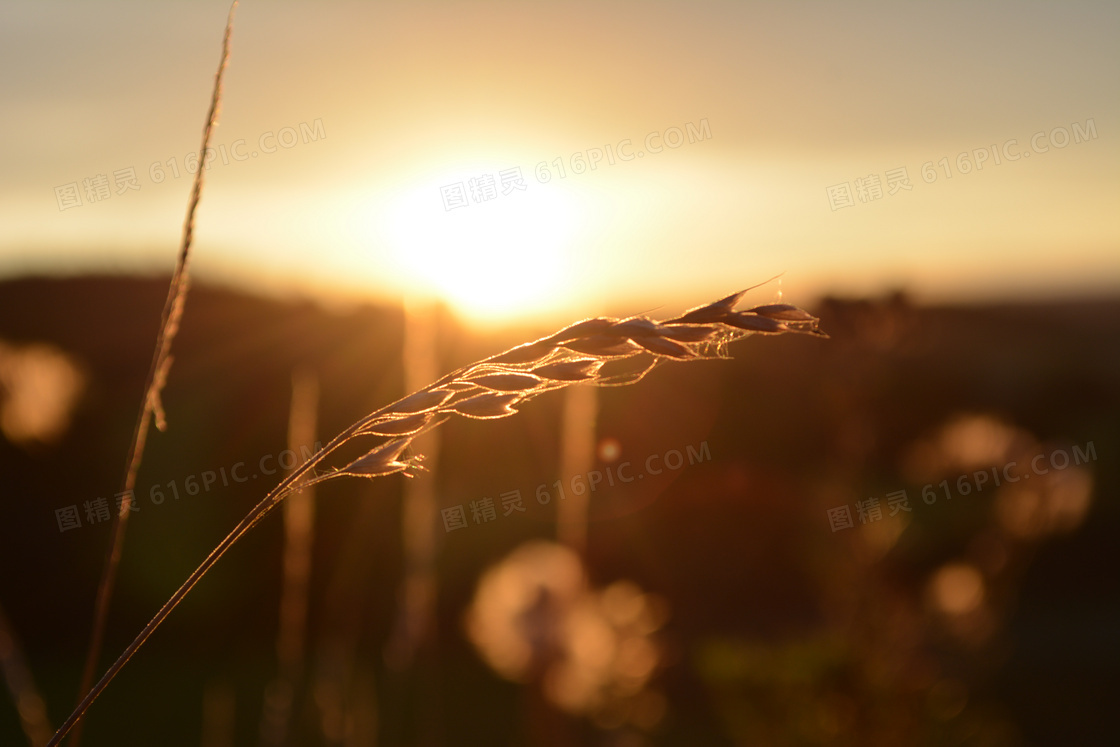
<point>534,619</point>
<point>39,387</point>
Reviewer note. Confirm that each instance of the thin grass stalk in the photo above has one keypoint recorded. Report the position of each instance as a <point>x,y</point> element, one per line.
<point>299,532</point>
<point>417,596</point>
<point>251,519</point>
<point>411,648</point>
<point>577,456</point>
<point>152,407</point>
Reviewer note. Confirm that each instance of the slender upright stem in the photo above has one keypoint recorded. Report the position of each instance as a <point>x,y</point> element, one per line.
<point>151,406</point>
<point>299,531</point>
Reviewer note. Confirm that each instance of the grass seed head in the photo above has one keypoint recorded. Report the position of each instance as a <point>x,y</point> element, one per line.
<point>712,312</point>
<point>486,406</point>
<point>662,346</point>
<point>579,369</point>
<point>527,353</point>
<point>636,327</point>
<point>783,312</point>
<point>687,332</point>
<point>603,345</point>
<point>421,401</point>
<point>380,460</point>
<point>582,329</point>
<point>399,426</point>
<point>754,323</point>
<point>507,382</point>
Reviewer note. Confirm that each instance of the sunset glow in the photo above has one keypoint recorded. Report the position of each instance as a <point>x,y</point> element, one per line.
<point>684,150</point>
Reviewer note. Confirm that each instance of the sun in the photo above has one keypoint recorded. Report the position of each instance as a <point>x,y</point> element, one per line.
<point>489,259</point>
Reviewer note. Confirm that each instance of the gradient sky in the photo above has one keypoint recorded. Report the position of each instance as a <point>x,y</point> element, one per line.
<point>409,98</point>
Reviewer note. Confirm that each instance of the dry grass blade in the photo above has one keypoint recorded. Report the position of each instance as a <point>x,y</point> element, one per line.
<point>152,408</point>
<point>586,328</point>
<point>378,461</point>
<point>687,332</point>
<point>602,345</point>
<point>712,312</point>
<point>636,327</point>
<point>755,323</point>
<point>783,312</point>
<point>399,427</point>
<point>525,353</point>
<point>580,369</point>
<point>665,346</point>
<point>507,382</point>
<point>419,402</point>
<point>487,406</point>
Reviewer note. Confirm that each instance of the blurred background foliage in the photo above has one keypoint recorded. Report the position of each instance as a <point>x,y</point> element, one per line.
<point>717,603</point>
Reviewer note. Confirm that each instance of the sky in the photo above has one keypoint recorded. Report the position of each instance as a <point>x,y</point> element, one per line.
<point>539,160</point>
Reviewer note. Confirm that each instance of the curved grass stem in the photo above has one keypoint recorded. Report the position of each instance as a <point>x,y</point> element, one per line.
<point>254,517</point>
